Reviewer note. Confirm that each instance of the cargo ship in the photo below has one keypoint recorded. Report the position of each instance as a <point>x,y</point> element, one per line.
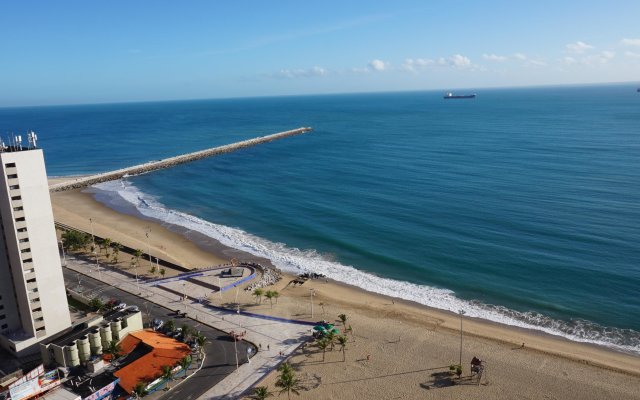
<point>459,96</point>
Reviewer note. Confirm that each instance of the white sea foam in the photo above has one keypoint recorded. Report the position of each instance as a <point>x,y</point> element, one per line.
<point>296,261</point>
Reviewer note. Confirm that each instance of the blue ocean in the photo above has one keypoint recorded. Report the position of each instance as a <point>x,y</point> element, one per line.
<point>521,206</point>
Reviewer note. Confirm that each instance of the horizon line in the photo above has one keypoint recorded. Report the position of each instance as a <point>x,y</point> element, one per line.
<point>635,83</point>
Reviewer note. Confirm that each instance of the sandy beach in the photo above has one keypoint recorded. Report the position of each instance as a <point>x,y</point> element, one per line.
<point>399,350</point>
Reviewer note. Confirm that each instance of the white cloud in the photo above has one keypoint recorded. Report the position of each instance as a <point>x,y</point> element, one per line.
<point>301,73</point>
<point>578,47</point>
<point>456,61</point>
<point>412,64</point>
<point>590,60</point>
<point>378,65</point>
<point>494,57</point>
<point>520,56</point>
<point>630,42</point>
<point>631,54</point>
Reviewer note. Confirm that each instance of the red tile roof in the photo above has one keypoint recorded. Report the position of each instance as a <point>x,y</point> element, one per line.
<point>164,351</point>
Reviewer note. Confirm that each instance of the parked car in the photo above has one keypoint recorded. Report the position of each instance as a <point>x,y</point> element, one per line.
<point>133,308</point>
<point>120,306</point>
<point>157,324</point>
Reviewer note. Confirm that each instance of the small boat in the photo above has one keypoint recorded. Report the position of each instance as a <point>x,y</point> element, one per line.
<point>459,96</point>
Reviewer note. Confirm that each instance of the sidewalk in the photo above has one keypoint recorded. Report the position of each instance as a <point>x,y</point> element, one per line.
<point>277,336</point>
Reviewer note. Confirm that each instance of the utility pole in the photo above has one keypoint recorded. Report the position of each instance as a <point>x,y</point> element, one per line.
<point>462,312</point>
<point>311,294</point>
<point>148,247</point>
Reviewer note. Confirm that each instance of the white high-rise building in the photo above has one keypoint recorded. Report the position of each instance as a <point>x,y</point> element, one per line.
<point>33,302</point>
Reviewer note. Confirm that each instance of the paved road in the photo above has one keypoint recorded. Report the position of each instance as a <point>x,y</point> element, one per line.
<point>280,338</point>
<point>220,358</point>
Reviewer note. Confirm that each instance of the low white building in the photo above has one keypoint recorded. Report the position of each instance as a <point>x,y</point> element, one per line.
<point>89,340</point>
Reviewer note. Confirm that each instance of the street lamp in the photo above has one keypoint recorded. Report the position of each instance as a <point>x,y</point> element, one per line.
<point>148,247</point>
<point>95,250</point>
<point>184,296</point>
<point>64,258</point>
<point>461,312</point>
<point>311,294</point>
<point>137,282</point>
<point>235,346</point>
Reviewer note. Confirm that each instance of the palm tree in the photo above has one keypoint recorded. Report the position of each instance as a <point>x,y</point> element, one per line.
<point>96,304</point>
<point>343,319</point>
<point>167,374</point>
<point>323,344</point>
<point>258,293</point>
<point>136,257</point>
<point>153,269</point>
<point>185,362</point>
<point>170,326</point>
<point>114,350</point>
<point>331,338</point>
<point>342,341</point>
<point>261,393</point>
<point>276,295</point>
<point>74,240</point>
<point>287,381</point>
<point>163,271</point>
<point>186,332</point>
<point>106,245</point>
<point>116,251</point>
<point>269,295</point>
<point>350,330</point>
<point>201,340</point>
<point>140,390</point>
<point>285,368</point>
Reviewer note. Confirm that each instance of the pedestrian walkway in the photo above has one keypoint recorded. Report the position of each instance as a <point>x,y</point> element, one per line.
<point>275,337</point>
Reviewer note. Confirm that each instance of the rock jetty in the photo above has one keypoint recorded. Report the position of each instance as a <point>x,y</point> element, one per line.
<point>171,162</point>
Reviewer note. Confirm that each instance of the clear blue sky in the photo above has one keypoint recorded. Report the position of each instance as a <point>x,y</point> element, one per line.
<point>70,52</point>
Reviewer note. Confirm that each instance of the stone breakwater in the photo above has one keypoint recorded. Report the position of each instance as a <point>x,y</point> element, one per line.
<point>270,276</point>
<point>171,162</point>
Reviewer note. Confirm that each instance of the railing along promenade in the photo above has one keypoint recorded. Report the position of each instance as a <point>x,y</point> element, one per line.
<point>170,162</point>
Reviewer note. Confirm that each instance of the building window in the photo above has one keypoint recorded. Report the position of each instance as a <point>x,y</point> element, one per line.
<point>16,198</point>
<point>36,300</point>
<point>25,240</point>
<point>2,317</point>
<point>13,187</point>
<point>37,309</point>
<point>5,326</point>
<point>20,219</point>
<point>32,280</point>
<point>27,250</point>
<point>10,165</point>
<point>40,329</point>
<point>12,176</point>
<point>39,319</point>
<point>19,208</point>
<point>1,307</point>
<point>28,260</point>
<point>22,229</point>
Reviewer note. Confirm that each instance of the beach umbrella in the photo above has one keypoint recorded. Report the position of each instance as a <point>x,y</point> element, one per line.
<point>319,328</point>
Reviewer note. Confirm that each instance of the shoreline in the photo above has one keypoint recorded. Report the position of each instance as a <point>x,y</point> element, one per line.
<point>191,250</point>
